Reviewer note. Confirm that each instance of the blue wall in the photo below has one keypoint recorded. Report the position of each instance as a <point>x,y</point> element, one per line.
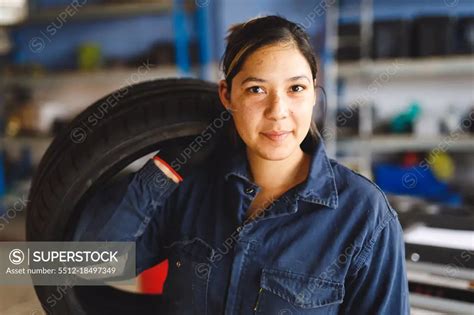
<point>238,11</point>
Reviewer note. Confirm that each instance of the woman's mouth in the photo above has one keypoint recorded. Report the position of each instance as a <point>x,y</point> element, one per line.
<point>276,136</point>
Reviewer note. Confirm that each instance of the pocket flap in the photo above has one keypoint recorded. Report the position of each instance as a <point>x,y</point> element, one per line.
<point>300,289</point>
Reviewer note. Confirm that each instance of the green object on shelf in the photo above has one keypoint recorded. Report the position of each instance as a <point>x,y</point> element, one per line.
<point>404,121</point>
<point>90,57</point>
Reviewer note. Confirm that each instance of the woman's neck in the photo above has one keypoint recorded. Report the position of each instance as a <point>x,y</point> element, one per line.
<point>279,175</point>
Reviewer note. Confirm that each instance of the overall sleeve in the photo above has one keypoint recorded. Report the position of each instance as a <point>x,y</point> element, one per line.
<point>380,284</point>
<point>133,209</point>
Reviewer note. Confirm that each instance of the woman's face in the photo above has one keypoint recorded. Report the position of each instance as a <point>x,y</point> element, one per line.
<point>273,92</point>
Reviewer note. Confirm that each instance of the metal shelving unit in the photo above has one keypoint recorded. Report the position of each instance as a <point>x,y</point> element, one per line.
<point>358,151</point>
<point>361,149</point>
<point>107,79</point>
<point>179,10</point>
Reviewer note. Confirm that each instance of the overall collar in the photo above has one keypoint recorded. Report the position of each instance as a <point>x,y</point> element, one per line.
<point>319,187</point>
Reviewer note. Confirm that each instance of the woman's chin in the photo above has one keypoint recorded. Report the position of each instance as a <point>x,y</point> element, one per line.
<point>274,153</point>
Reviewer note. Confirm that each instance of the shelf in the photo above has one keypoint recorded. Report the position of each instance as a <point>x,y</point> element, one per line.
<point>121,75</point>
<point>437,305</point>
<point>37,145</point>
<point>423,67</point>
<point>393,144</point>
<point>99,11</point>
<point>26,140</point>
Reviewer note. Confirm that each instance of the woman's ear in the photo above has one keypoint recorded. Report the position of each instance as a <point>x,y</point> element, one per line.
<point>224,94</point>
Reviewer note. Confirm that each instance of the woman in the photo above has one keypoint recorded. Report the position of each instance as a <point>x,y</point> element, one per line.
<point>276,227</point>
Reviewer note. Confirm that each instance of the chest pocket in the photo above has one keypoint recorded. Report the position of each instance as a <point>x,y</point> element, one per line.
<point>187,282</point>
<point>288,293</point>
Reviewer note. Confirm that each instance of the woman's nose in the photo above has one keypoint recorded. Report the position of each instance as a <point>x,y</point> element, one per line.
<point>277,108</point>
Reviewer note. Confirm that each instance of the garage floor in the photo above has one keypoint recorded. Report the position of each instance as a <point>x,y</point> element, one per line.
<point>17,300</point>
<point>22,300</point>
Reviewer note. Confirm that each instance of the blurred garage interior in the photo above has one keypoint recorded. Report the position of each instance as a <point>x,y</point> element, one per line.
<point>398,77</point>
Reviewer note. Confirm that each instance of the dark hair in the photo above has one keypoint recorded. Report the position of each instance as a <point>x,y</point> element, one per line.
<point>245,38</point>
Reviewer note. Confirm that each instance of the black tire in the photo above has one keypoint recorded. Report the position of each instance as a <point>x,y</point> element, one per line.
<point>145,117</point>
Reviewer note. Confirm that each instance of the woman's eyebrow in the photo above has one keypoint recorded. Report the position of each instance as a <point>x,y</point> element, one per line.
<point>248,79</point>
<point>299,77</point>
<point>296,78</point>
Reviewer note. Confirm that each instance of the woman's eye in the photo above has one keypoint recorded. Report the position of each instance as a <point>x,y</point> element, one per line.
<point>297,88</point>
<point>255,89</point>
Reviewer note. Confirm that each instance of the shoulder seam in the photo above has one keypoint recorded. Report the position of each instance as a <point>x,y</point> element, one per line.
<point>367,248</point>
<point>387,203</point>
